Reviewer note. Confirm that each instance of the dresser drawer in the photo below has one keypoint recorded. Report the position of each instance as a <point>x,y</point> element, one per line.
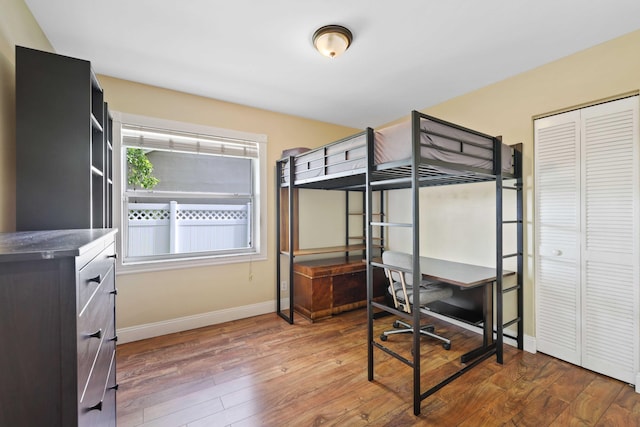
<point>98,408</point>
<point>93,275</point>
<point>108,413</point>
<point>95,327</point>
<point>92,390</point>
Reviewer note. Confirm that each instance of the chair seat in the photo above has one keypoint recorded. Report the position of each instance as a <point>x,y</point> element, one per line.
<point>428,293</point>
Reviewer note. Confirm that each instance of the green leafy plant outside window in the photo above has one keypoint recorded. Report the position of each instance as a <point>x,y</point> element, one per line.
<point>140,170</point>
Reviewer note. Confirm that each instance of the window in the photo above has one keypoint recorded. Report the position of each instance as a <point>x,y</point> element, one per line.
<point>189,193</point>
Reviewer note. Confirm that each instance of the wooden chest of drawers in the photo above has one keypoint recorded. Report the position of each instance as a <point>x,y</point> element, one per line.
<point>325,287</point>
<point>57,328</point>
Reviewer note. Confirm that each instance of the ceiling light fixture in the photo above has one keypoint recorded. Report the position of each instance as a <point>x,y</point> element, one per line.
<point>332,40</point>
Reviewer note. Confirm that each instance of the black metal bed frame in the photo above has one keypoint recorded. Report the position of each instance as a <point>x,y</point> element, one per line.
<point>412,174</point>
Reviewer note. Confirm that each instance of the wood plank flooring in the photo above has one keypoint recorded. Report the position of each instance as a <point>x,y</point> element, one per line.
<point>262,371</point>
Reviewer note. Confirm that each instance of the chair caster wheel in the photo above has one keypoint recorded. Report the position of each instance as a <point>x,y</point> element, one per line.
<point>383,337</point>
<point>446,346</point>
<point>396,325</point>
<point>429,329</point>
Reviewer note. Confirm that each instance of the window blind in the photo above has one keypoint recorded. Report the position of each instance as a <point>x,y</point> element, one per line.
<point>186,142</point>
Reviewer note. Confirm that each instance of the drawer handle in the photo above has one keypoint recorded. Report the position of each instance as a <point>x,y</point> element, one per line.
<point>97,406</point>
<point>96,334</point>
<point>97,279</point>
<point>114,256</point>
<point>114,387</point>
<point>114,292</point>
<point>114,339</point>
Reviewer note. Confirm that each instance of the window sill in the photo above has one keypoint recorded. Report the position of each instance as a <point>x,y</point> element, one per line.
<point>175,264</point>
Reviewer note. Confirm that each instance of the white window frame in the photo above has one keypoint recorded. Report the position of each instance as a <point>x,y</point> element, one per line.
<point>119,178</point>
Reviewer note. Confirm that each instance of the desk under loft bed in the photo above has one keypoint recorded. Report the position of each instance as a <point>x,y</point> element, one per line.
<point>420,152</point>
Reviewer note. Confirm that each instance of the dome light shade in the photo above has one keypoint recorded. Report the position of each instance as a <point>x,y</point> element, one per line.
<point>332,40</point>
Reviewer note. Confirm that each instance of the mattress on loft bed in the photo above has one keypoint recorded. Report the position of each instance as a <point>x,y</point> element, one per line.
<point>346,156</point>
<point>438,141</point>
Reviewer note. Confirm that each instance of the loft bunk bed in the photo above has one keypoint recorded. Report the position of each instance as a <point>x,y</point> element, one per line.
<point>341,166</point>
<point>420,152</point>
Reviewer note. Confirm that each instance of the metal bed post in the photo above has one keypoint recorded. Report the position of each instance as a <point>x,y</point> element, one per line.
<point>291,239</point>
<point>368,251</point>
<point>279,163</point>
<point>497,166</point>
<point>417,275</point>
<point>520,243</point>
<point>382,218</point>
<point>346,223</point>
<point>364,219</point>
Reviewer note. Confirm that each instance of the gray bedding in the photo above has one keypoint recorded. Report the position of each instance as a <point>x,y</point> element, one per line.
<point>438,142</point>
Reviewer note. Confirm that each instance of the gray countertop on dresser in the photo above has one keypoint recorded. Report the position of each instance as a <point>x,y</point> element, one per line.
<point>33,245</point>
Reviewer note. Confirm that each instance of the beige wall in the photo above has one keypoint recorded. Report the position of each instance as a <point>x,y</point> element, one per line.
<point>507,108</point>
<point>154,297</point>
<point>17,27</point>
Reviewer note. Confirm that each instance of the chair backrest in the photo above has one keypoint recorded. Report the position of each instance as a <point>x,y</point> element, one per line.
<point>402,260</point>
<point>402,290</point>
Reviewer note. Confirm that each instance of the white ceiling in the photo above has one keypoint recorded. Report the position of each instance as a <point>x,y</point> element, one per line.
<point>406,54</point>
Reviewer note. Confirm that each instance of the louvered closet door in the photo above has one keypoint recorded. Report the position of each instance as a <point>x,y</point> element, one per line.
<point>587,238</point>
<point>557,199</point>
<point>610,246</point>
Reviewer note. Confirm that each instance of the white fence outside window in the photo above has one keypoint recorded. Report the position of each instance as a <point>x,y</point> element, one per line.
<point>167,228</point>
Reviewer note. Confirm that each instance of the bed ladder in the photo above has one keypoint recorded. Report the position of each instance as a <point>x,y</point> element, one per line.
<point>518,254</point>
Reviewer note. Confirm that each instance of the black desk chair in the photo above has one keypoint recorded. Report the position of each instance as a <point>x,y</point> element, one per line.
<point>402,290</point>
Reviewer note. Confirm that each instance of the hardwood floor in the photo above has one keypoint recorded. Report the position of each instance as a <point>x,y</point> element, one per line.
<point>262,371</point>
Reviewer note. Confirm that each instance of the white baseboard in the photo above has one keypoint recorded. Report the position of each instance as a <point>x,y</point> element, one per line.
<point>150,330</point>
<point>530,344</point>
